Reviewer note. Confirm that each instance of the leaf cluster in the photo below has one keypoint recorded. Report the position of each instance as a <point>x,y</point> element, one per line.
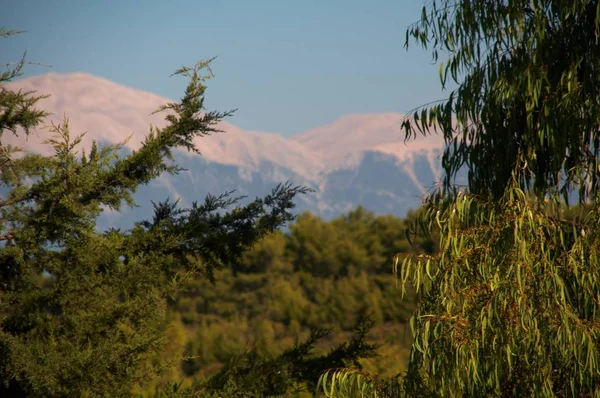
<point>528,96</point>
<point>510,304</point>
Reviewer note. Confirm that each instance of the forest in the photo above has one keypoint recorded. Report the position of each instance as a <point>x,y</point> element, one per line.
<point>319,274</point>
<point>488,289</point>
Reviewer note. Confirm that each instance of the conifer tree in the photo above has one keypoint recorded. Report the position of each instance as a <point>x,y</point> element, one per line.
<point>81,310</point>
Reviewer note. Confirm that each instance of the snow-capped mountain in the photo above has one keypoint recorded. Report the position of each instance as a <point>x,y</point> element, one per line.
<point>356,160</point>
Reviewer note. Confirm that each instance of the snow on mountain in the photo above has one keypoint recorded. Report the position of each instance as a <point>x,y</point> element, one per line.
<point>354,134</point>
<point>110,113</point>
<point>358,159</point>
<point>345,142</point>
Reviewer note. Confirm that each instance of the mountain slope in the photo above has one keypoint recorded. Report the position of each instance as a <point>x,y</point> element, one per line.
<point>356,160</point>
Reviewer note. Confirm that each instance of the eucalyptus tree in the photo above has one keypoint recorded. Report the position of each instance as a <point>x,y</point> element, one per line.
<point>510,306</point>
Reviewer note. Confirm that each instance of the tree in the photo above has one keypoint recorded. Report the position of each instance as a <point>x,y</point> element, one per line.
<point>314,245</point>
<point>510,305</point>
<point>81,310</point>
<point>527,96</point>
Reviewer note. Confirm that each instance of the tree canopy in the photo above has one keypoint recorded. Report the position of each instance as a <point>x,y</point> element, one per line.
<point>509,306</point>
<point>527,98</point>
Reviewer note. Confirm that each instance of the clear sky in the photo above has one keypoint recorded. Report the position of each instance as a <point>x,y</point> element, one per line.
<point>286,65</point>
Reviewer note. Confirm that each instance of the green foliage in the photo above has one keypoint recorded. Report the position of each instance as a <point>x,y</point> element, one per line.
<point>265,304</point>
<point>509,306</point>
<point>294,370</point>
<point>357,240</point>
<point>17,109</point>
<point>528,94</point>
<point>82,312</point>
<point>351,382</point>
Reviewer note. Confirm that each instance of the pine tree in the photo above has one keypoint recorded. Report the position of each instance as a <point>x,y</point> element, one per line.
<point>81,310</point>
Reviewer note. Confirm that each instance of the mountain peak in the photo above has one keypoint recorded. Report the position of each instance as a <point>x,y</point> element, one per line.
<point>357,159</point>
<point>356,133</point>
<point>110,112</point>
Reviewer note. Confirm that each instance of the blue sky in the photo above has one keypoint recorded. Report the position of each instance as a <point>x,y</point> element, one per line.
<point>287,66</point>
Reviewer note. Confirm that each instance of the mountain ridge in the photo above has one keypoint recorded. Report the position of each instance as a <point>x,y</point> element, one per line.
<point>344,161</point>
